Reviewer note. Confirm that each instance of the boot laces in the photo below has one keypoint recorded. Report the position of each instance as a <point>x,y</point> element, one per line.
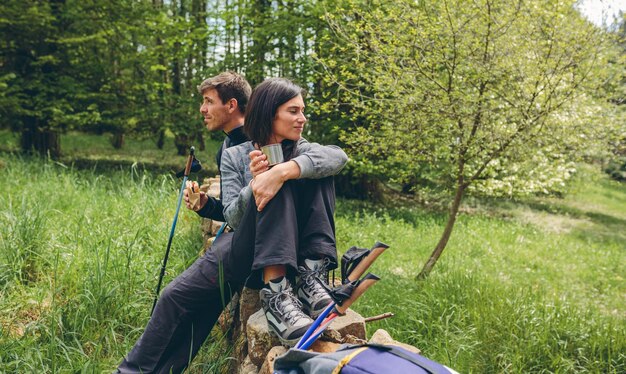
<point>313,277</point>
<point>288,305</point>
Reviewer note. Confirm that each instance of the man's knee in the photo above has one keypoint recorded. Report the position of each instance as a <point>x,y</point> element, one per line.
<point>168,295</point>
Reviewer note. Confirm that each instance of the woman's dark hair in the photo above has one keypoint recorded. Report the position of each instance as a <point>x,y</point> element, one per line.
<point>262,106</point>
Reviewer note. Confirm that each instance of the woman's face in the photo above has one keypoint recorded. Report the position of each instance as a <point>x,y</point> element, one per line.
<point>289,121</point>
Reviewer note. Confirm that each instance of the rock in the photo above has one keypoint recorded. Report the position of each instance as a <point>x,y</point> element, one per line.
<point>268,364</point>
<point>345,329</point>
<point>240,350</point>
<point>351,339</point>
<point>350,324</point>
<point>210,227</point>
<point>247,367</point>
<point>323,346</point>
<point>330,335</point>
<point>208,242</point>
<point>226,319</point>
<point>382,337</point>
<point>250,303</point>
<point>260,340</point>
<point>211,186</point>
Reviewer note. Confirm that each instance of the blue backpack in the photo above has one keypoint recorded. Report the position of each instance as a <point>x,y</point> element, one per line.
<point>358,359</point>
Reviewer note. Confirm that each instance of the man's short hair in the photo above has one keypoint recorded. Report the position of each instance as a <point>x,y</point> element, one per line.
<point>229,85</point>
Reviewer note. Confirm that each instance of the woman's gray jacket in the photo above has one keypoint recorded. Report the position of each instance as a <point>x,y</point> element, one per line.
<point>315,161</point>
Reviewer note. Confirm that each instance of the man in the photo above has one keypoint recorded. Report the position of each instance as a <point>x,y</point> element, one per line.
<point>224,100</point>
<point>190,305</point>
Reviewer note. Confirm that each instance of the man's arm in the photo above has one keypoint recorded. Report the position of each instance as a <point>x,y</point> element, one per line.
<point>210,207</point>
<point>213,209</point>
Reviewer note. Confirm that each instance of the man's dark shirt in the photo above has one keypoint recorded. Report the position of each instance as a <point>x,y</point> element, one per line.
<point>214,209</point>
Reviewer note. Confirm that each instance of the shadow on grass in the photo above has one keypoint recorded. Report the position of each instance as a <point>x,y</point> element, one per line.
<point>604,227</point>
<point>103,165</point>
<point>411,214</point>
<point>595,217</point>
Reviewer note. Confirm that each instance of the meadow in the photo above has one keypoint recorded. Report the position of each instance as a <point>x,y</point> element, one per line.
<point>527,286</point>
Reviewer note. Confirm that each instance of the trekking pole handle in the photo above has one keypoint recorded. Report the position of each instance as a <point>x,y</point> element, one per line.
<point>314,332</point>
<point>378,249</point>
<point>365,283</point>
<point>192,150</point>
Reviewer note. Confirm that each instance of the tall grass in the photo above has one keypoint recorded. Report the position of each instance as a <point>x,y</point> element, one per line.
<point>80,258</point>
<point>22,226</point>
<point>531,286</point>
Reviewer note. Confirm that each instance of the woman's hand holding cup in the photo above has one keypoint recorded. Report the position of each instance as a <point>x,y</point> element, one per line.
<point>258,163</point>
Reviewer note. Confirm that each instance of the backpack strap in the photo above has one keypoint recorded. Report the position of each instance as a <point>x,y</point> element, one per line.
<point>344,361</point>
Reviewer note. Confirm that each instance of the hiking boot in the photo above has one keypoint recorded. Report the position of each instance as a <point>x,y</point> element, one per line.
<point>284,312</point>
<point>311,293</point>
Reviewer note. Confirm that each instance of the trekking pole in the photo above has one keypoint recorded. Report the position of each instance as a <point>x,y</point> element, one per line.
<point>352,277</point>
<point>190,160</point>
<point>364,284</point>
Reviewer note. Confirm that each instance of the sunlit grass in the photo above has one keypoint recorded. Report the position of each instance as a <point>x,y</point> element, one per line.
<point>509,294</point>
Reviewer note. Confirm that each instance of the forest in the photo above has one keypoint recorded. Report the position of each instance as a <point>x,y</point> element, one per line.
<point>471,126</point>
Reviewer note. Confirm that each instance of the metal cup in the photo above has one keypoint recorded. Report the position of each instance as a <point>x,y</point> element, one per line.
<point>274,153</point>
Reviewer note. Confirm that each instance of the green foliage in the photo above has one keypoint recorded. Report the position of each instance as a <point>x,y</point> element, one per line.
<point>460,92</point>
<point>614,91</point>
<point>132,67</point>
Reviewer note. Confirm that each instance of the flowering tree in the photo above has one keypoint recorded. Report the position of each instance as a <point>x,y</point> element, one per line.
<point>455,96</point>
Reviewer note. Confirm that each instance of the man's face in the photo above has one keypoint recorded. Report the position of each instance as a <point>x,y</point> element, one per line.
<point>216,114</point>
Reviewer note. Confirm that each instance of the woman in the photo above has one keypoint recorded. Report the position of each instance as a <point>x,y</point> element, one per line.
<point>283,215</point>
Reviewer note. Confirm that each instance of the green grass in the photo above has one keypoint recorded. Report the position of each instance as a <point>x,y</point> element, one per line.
<point>527,286</point>
<point>80,254</point>
<point>531,286</point>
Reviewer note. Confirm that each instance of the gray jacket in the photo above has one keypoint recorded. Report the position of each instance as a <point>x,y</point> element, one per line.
<point>315,161</point>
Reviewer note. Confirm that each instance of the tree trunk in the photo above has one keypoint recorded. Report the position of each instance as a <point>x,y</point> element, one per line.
<point>160,118</point>
<point>200,139</point>
<point>117,140</point>
<point>44,142</point>
<point>182,144</point>
<point>160,139</point>
<point>454,210</point>
<point>255,73</point>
